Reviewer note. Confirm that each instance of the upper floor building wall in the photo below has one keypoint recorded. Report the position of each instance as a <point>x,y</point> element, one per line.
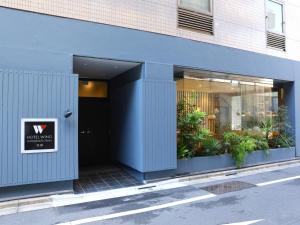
<point>238,24</point>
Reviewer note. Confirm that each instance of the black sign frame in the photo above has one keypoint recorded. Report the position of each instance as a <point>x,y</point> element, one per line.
<point>39,135</point>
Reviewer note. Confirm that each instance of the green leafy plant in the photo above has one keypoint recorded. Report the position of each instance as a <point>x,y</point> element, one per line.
<point>277,129</point>
<point>211,146</point>
<point>281,121</point>
<point>183,152</point>
<point>267,126</point>
<point>261,141</point>
<point>230,139</point>
<point>282,141</point>
<point>240,151</point>
<point>239,146</point>
<point>190,128</point>
<point>191,132</point>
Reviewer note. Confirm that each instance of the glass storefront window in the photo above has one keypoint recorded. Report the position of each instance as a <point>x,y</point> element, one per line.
<point>229,104</point>
<point>218,112</point>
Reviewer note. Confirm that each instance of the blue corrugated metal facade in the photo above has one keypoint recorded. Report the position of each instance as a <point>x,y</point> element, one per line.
<point>159,111</point>
<point>147,109</point>
<point>37,95</point>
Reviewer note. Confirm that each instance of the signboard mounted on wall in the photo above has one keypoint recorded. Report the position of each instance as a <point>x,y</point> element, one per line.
<point>38,135</point>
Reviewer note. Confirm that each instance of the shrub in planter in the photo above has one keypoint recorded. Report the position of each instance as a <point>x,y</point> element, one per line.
<point>183,152</point>
<point>282,141</point>
<point>210,146</point>
<point>190,130</point>
<point>261,141</point>
<point>278,130</point>
<point>240,151</point>
<point>239,146</point>
<point>191,133</point>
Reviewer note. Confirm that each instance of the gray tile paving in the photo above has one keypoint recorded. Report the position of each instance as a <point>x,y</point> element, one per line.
<point>102,180</point>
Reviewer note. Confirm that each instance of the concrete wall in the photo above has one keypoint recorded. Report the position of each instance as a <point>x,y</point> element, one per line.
<point>238,24</point>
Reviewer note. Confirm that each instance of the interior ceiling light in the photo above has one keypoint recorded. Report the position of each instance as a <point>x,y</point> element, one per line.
<point>260,82</point>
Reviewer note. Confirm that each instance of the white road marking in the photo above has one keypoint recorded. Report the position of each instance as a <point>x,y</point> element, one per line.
<point>138,211</point>
<point>277,181</point>
<point>244,223</point>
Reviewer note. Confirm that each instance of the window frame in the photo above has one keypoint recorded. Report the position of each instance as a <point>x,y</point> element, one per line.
<point>209,13</point>
<point>281,2</point>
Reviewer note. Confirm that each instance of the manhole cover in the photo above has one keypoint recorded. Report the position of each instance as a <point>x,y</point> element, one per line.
<point>228,187</point>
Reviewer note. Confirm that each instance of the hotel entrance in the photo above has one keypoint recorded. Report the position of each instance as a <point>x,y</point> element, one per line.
<point>101,124</point>
<point>93,123</point>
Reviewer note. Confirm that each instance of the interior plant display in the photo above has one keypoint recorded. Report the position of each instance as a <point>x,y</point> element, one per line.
<point>278,131</point>
<point>267,126</point>
<point>190,130</point>
<point>285,137</point>
<point>195,139</point>
<point>232,115</point>
<point>281,141</point>
<point>282,120</point>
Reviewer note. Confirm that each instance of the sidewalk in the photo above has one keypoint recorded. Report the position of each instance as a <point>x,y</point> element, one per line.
<point>25,205</point>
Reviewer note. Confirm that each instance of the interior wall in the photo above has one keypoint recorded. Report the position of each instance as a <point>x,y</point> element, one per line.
<point>126,118</point>
<point>90,88</point>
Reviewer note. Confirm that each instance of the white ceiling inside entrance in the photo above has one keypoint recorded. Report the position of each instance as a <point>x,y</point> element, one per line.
<point>102,69</point>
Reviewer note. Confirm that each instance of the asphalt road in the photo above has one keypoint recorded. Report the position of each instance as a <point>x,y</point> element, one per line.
<point>204,204</point>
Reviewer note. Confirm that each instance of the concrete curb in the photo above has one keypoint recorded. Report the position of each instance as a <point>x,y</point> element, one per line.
<point>272,166</point>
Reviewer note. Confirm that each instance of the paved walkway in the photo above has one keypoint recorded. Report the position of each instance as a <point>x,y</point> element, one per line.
<point>103,179</point>
<point>258,197</point>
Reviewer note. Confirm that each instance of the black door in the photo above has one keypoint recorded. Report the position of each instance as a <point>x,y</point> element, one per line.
<point>93,132</point>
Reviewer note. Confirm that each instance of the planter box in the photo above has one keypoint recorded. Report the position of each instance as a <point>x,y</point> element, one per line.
<point>221,162</point>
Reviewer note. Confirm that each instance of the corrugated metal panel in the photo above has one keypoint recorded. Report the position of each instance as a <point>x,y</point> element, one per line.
<point>37,95</point>
<point>195,21</point>
<point>159,125</point>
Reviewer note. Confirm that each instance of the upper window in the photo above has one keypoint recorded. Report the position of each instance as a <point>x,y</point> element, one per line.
<point>201,6</point>
<point>275,19</point>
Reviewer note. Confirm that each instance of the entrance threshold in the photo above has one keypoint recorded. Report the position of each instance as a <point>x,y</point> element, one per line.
<point>102,179</point>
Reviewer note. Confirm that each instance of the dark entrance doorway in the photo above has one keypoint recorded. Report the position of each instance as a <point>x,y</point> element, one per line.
<point>93,132</point>
<point>100,123</point>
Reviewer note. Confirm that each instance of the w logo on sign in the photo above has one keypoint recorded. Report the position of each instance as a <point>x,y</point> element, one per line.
<point>39,128</point>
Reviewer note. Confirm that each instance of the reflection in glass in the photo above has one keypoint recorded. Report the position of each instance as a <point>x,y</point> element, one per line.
<point>196,5</point>
<point>229,104</point>
<point>275,17</point>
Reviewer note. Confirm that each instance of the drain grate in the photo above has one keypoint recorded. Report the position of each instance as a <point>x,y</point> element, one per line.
<point>228,187</point>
